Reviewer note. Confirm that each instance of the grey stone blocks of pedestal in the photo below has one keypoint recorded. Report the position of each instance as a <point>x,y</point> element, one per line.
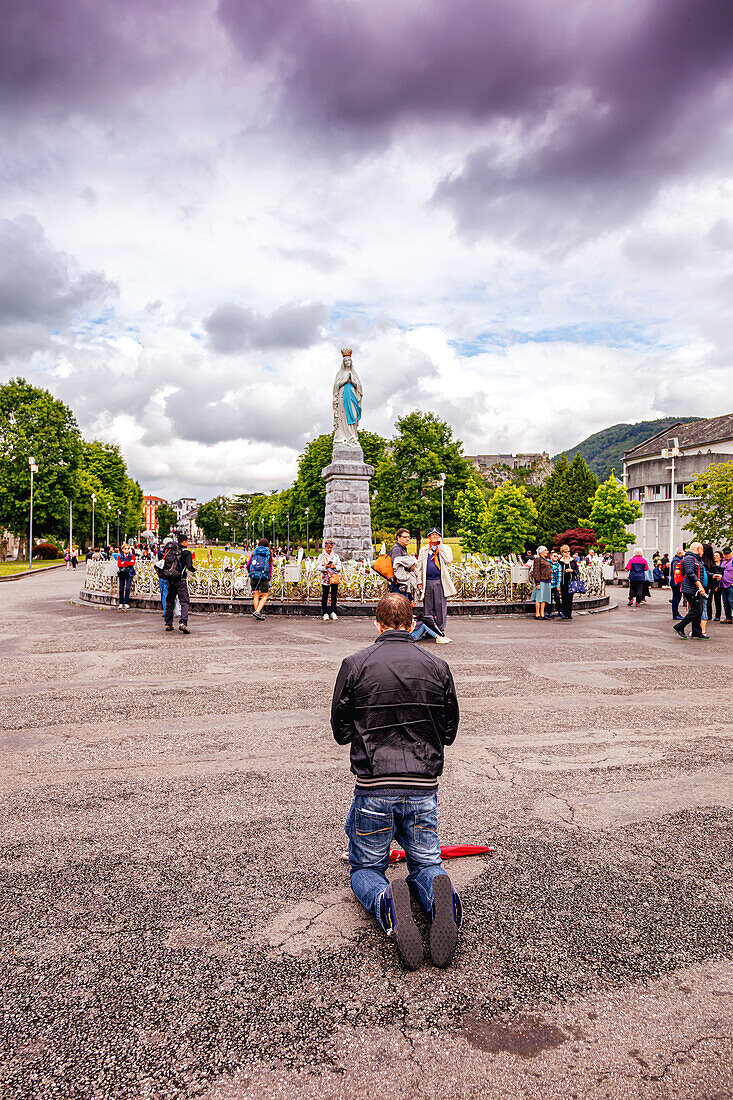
<point>348,519</point>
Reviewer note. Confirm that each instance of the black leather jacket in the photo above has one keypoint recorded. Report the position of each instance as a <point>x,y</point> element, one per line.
<point>396,705</point>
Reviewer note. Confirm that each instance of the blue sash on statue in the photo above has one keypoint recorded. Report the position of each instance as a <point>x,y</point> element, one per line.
<point>351,405</point>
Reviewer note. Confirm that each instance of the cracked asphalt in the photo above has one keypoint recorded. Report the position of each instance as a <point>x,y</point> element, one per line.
<point>176,915</point>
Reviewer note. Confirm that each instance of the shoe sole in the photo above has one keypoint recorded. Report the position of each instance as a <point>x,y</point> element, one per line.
<point>407,934</point>
<point>443,930</point>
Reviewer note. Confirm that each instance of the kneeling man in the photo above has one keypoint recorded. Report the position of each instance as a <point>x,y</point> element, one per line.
<point>396,705</point>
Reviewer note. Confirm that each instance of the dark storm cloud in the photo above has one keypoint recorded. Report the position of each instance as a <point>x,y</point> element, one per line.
<point>39,284</point>
<point>606,102</point>
<point>233,329</point>
<point>57,58</point>
<point>284,419</point>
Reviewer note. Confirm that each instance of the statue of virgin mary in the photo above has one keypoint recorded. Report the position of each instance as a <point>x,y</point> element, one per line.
<point>347,399</point>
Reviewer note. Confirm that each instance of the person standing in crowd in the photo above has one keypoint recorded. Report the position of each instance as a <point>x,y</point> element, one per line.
<point>399,550</point>
<point>178,563</point>
<point>259,567</point>
<point>329,564</point>
<point>674,586</point>
<point>693,590</point>
<point>395,705</point>
<point>711,559</point>
<point>570,570</point>
<point>67,559</point>
<point>434,581</point>
<point>125,575</point>
<point>542,579</point>
<point>555,584</point>
<point>162,581</point>
<point>74,559</point>
<point>726,584</point>
<point>637,567</point>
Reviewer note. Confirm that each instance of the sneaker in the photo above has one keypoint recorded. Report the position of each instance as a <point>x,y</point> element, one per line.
<point>183,627</point>
<point>260,615</point>
<point>704,637</point>
<point>443,640</point>
<point>445,922</point>
<point>398,922</point>
<point>169,627</point>
<point>679,633</point>
<point>334,616</point>
<point>325,618</point>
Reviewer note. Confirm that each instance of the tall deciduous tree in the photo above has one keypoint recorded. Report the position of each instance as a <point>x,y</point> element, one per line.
<point>710,507</point>
<point>212,517</point>
<point>35,424</point>
<point>165,518</point>
<point>511,520</point>
<point>611,513</point>
<point>405,484</point>
<point>473,518</point>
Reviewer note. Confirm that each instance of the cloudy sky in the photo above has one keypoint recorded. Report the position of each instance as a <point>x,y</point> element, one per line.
<point>519,215</point>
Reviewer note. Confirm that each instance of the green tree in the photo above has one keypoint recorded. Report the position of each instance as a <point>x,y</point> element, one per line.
<point>405,484</point>
<point>710,507</point>
<point>165,518</point>
<point>511,520</point>
<point>565,498</point>
<point>473,517</point>
<point>212,516</point>
<point>611,513</point>
<point>580,487</point>
<point>35,424</point>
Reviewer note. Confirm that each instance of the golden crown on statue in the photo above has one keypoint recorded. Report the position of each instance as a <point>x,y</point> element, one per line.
<point>345,352</point>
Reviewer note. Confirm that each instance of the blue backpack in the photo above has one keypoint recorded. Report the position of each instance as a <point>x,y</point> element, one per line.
<point>260,563</point>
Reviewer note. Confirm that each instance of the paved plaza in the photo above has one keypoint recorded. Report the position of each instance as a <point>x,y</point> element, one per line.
<point>178,920</point>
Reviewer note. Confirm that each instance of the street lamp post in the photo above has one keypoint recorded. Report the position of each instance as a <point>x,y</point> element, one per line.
<point>94,501</point>
<point>288,514</point>
<point>307,534</point>
<point>442,521</point>
<point>273,530</point>
<point>109,505</point>
<point>34,470</point>
<point>70,527</point>
<point>672,450</point>
<point>118,527</point>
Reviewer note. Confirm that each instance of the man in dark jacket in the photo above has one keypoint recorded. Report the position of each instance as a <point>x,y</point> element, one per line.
<point>396,705</point>
<point>693,590</point>
<point>178,564</point>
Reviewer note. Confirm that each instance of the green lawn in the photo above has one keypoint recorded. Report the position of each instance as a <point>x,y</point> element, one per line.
<point>8,568</point>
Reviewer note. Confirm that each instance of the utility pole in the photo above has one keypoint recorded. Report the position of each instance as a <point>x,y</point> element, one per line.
<point>94,501</point>
<point>34,470</point>
<point>307,534</point>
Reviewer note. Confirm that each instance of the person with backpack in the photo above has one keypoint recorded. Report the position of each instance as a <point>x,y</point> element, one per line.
<point>177,564</point>
<point>259,567</point>
<point>675,580</point>
<point>125,575</point>
<point>694,580</point>
<point>726,584</point>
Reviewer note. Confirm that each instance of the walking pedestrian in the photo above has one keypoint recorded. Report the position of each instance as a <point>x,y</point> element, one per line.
<point>434,582</point>
<point>67,559</point>
<point>125,575</point>
<point>259,567</point>
<point>542,579</point>
<point>74,559</point>
<point>637,567</point>
<point>177,564</point>
<point>396,705</point>
<point>693,589</point>
<point>675,584</point>
<point>329,565</point>
<point>726,584</point>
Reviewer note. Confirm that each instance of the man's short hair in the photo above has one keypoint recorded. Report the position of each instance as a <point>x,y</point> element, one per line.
<point>401,531</point>
<point>727,550</point>
<point>182,536</point>
<point>394,612</point>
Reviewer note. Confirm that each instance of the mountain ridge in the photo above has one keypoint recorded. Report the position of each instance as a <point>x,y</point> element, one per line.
<point>604,450</point>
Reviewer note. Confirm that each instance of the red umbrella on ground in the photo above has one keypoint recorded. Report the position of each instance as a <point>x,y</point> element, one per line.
<point>448,851</point>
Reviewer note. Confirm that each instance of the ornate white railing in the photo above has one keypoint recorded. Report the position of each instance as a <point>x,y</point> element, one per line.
<point>474,580</point>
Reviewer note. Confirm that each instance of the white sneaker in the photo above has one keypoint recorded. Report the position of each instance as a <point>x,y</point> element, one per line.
<point>334,616</point>
<point>443,641</point>
<point>325,618</point>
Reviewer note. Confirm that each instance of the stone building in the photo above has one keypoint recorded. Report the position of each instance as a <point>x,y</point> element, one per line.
<point>650,480</point>
<point>497,468</point>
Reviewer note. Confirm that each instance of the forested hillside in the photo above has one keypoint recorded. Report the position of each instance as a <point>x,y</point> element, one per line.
<point>605,449</point>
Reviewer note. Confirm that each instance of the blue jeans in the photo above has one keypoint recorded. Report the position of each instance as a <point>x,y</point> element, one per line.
<point>675,599</point>
<point>163,586</point>
<point>422,630</point>
<point>371,825</point>
<point>125,584</point>
<point>727,595</point>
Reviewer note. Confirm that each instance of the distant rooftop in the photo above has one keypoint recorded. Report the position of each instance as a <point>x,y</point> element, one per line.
<point>701,433</point>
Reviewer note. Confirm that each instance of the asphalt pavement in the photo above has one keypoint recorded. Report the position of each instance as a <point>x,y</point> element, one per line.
<point>177,917</point>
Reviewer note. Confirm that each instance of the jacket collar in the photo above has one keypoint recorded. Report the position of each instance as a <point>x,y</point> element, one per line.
<point>394,636</point>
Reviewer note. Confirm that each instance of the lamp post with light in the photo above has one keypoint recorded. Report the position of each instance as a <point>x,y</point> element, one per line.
<point>307,534</point>
<point>118,528</point>
<point>34,470</point>
<point>94,501</point>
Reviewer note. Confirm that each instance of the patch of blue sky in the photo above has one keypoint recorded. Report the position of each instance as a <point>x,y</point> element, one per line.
<point>197,335</point>
<point>94,324</point>
<point>621,334</point>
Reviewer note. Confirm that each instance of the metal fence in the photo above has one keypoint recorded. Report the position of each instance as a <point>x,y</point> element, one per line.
<point>496,580</point>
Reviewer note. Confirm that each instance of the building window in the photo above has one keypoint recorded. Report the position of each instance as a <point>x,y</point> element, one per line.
<point>659,492</point>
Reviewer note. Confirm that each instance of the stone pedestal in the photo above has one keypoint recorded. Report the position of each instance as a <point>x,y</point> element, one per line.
<point>348,519</point>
